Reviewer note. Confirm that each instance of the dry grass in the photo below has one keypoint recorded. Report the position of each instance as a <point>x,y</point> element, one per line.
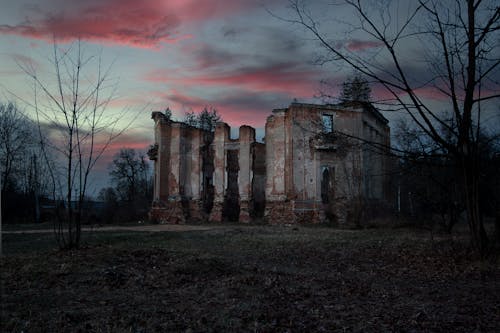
<point>249,278</point>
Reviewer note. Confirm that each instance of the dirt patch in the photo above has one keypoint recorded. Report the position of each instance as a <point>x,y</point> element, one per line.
<point>260,279</point>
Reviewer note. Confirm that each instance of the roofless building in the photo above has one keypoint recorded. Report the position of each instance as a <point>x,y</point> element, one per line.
<point>318,163</point>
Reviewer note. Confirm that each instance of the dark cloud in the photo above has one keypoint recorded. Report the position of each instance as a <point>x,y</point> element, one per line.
<point>208,56</point>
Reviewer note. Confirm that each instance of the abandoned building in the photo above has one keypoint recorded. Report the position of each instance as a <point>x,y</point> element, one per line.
<point>318,163</point>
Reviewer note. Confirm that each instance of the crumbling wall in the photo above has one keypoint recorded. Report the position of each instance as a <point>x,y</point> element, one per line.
<point>306,198</point>
<point>233,174</point>
<point>300,175</point>
<point>279,207</point>
<point>177,163</point>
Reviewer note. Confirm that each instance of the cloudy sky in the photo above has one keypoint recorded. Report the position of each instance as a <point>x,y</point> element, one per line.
<point>185,54</point>
<point>232,55</point>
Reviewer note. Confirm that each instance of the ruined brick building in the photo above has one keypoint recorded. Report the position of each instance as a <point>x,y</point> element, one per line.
<point>317,163</point>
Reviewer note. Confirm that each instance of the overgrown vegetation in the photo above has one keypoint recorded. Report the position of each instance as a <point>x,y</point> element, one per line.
<point>206,119</point>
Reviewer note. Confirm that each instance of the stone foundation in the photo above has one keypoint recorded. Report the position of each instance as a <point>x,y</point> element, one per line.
<point>308,211</point>
<point>193,211</point>
<point>289,212</point>
<point>216,213</point>
<point>167,213</point>
<point>279,212</point>
<point>245,212</point>
<point>276,212</point>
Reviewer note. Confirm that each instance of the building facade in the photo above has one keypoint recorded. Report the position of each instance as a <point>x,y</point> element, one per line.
<point>318,163</point>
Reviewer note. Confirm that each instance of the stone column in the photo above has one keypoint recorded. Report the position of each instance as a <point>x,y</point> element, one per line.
<point>160,154</point>
<point>174,200</point>
<point>275,156</point>
<point>221,136</point>
<point>194,176</point>
<point>175,155</point>
<point>161,157</point>
<point>247,137</point>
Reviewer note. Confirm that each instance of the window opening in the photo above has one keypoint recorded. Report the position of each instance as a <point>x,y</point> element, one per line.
<point>327,120</point>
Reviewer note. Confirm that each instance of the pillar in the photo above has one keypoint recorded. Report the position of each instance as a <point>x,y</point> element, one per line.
<point>221,136</point>
<point>246,138</point>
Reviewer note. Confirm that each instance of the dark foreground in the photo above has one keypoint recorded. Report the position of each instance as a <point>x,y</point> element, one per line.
<point>258,279</point>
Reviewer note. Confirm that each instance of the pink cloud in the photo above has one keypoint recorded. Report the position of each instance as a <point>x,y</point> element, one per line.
<point>236,109</point>
<point>429,92</point>
<point>280,78</point>
<point>380,93</point>
<point>144,24</point>
<point>245,116</point>
<point>139,143</point>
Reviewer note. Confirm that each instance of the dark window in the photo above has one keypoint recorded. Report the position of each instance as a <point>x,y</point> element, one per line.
<point>327,184</point>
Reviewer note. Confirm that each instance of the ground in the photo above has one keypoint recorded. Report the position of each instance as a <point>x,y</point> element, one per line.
<point>248,278</point>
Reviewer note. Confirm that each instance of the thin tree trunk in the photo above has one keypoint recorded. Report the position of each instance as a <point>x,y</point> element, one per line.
<point>471,181</point>
<point>497,225</point>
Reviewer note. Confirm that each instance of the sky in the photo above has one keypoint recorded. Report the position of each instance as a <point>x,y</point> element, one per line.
<point>233,55</point>
<point>182,54</point>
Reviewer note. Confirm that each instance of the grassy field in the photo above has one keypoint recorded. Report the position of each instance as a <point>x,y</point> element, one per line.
<point>248,278</point>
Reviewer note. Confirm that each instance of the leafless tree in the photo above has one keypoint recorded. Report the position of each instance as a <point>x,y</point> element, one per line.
<point>458,47</point>
<point>16,137</point>
<point>130,174</point>
<point>427,179</point>
<point>23,180</point>
<point>73,107</point>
